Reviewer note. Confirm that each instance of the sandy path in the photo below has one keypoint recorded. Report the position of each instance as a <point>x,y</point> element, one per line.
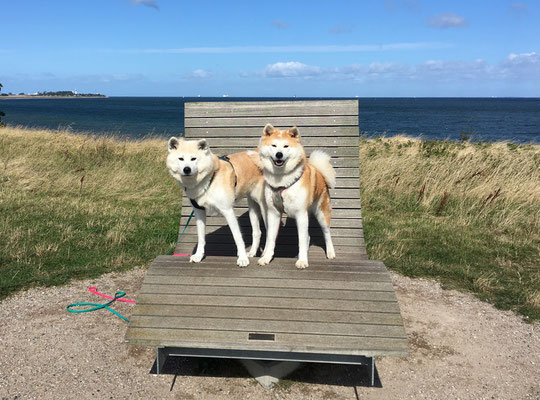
<point>461,348</point>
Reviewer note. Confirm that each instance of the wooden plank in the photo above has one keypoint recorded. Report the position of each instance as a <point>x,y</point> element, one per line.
<point>212,223</point>
<point>338,264</point>
<point>283,250</point>
<point>284,342</point>
<point>249,132</point>
<point>239,291</point>
<point>270,314</point>
<point>241,210</point>
<point>269,326</point>
<point>308,142</point>
<point>271,108</point>
<point>260,122</point>
<point>259,273</point>
<point>268,283</point>
<point>332,151</point>
<point>219,230</point>
<point>226,238</point>
<point>270,302</point>
<point>337,204</point>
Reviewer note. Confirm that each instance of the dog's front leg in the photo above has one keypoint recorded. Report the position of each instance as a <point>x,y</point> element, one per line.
<point>273,220</point>
<point>302,223</point>
<point>243,259</point>
<point>200,220</point>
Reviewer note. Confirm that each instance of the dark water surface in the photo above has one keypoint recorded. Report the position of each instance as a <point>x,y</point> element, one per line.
<point>511,119</point>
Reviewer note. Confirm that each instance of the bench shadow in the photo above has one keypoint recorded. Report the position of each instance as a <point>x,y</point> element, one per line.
<point>310,373</point>
<point>221,243</point>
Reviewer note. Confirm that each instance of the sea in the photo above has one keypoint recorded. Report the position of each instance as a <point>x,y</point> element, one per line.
<point>479,119</point>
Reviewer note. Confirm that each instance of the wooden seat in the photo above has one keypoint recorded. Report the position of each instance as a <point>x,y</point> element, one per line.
<point>341,311</point>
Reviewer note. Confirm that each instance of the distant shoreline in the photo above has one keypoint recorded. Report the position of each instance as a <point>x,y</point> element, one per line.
<point>30,96</point>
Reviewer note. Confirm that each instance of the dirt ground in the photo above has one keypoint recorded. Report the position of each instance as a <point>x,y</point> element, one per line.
<point>460,348</point>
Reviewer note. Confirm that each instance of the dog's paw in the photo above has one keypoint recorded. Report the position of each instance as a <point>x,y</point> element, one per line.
<point>264,260</point>
<point>242,261</point>
<point>252,252</point>
<point>301,264</point>
<point>331,254</point>
<point>196,258</point>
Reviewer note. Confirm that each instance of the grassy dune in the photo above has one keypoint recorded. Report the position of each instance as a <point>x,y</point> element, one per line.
<point>467,214</point>
<point>79,206</point>
<point>74,206</point>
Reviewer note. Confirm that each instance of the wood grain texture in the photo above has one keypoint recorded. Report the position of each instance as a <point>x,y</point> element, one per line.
<point>345,306</point>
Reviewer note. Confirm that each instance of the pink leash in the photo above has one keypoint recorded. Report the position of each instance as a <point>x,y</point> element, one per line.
<point>93,289</point>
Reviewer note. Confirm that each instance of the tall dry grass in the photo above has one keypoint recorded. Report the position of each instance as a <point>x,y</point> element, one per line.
<point>465,213</point>
<point>80,205</point>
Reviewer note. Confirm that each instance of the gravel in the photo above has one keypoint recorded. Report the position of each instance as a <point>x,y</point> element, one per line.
<point>460,348</point>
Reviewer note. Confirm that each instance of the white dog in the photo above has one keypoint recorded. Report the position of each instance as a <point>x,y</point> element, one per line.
<point>295,186</point>
<point>213,185</point>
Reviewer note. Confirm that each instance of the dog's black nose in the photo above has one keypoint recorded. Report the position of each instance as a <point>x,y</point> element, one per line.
<point>187,170</point>
<point>279,155</point>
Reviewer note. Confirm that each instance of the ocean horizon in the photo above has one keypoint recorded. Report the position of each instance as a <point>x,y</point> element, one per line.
<point>510,119</point>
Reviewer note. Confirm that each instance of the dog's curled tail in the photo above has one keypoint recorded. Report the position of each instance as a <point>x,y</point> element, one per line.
<point>320,160</point>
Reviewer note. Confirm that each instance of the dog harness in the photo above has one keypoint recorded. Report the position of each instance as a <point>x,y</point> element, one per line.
<point>278,193</point>
<point>224,158</point>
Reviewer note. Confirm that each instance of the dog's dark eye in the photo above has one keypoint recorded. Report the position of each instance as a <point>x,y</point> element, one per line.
<point>193,159</point>
<point>274,145</point>
<point>181,158</point>
<point>286,146</point>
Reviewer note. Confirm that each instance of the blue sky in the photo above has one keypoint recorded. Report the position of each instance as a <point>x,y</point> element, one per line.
<point>360,48</point>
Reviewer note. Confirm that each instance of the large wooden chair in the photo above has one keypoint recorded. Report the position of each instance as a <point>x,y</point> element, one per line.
<point>336,311</point>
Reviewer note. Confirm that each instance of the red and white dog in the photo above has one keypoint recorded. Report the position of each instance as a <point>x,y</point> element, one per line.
<point>296,186</point>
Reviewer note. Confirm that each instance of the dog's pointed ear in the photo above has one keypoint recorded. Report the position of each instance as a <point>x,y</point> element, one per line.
<point>202,144</point>
<point>268,129</point>
<point>173,143</point>
<point>294,132</point>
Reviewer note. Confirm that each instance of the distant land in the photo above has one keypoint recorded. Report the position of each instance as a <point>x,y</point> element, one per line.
<point>59,94</point>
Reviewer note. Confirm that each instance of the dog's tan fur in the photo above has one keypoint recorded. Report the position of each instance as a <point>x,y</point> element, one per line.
<point>300,185</point>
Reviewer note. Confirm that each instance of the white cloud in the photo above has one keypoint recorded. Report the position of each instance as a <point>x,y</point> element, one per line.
<point>524,67</point>
<point>341,29</point>
<point>147,3</point>
<point>290,69</point>
<point>277,23</point>
<point>199,74</point>
<point>447,20</point>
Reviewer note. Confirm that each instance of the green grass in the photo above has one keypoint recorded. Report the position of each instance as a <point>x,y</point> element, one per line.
<point>469,239</point>
<point>76,207</point>
<point>465,214</point>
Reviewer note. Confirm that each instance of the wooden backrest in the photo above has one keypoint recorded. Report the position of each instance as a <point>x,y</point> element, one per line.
<point>330,125</point>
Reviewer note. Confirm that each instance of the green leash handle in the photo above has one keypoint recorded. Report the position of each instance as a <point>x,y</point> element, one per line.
<point>95,306</point>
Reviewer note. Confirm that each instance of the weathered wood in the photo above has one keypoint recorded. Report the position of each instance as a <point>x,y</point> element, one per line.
<point>285,342</point>
<point>346,306</point>
<point>268,282</point>
<point>306,294</point>
<point>250,132</point>
<point>272,108</point>
<point>283,314</point>
<point>258,122</point>
<point>269,326</point>
<point>258,272</point>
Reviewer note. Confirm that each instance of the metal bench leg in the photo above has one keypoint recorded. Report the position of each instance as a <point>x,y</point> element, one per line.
<point>161,356</point>
<point>371,366</point>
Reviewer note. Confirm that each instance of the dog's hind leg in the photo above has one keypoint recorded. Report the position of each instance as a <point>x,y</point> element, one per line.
<point>323,214</point>
<point>254,219</point>
<point>200,220</point>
